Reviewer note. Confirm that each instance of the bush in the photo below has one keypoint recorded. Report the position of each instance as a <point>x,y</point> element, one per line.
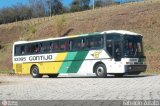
<point>59,24</point>
<point>33,30</point>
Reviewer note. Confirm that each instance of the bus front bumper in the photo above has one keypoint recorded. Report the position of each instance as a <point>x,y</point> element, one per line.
<point>131,69</point>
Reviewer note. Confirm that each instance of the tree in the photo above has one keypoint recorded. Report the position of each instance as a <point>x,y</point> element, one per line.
<point>79,5</point>
<point>102,3</point>
<point>7,15</point>
<point>37,8</point>
<point>108,2</point>
<point>17,12</point>
<point>84,4</point>
<point>21,12</point>
<point>57,7</point>
<point>75,6</point>
<point>99,3</point>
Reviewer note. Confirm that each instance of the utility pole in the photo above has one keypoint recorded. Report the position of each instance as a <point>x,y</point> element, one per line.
<point>50,8</point>
<point>49,2</point>
<point>93,4</point>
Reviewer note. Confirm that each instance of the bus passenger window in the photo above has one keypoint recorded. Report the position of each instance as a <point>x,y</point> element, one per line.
<point>95,42</point>
<point>77,44</point>
<point>33,48</point>
<point>51,47</point>
<point>63,45</point>
<point>92,44</point>
<point>22,50</point>
<point>86,43</point>
<point>55,46</point>
<point>42,48</point>
<point>28,49</point>
<point>37,49</point>
<point>48,48</point>
<point>66,45</point>
<point>17,50</point>
<point>83,43</point>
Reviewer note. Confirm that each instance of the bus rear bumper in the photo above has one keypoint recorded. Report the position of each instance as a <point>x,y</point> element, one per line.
<point>135,69</point>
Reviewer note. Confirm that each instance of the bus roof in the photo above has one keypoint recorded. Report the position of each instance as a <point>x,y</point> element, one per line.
<point>123,32</point>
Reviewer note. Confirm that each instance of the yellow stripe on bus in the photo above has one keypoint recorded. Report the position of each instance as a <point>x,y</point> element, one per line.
<point>59,60</point>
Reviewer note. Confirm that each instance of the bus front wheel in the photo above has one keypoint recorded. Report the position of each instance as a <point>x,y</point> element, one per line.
<point>35,72</point>
<point>100,71</point>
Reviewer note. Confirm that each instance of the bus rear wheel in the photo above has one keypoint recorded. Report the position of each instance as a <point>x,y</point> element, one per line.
<point>35,72</point>
<point>53,75</point>
<point>100,71</point>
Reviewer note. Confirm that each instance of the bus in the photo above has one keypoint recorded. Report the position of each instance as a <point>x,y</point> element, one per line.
<point>116,52</point>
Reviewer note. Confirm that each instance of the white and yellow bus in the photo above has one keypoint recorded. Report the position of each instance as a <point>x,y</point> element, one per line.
<point>116,52</point>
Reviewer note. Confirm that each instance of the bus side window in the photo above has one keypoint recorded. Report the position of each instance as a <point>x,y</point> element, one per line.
<point>64,45</point>
<point>17,50</point>
<point>48,47</point>
<point>33,47</point>
<point>55,46</point>
<point>87,43</point>
<point>77,44</point>
<point>98,42</point>
<point>45,48</point>
<point>94,42</point>
<point>22,50</point>
<point>28,49</point>
<point>83,43</point>
<point>51,47</point>
<point>37,49</point>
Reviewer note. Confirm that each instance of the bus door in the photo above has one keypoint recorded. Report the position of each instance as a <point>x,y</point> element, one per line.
<point>116,62</point>
<point>114,50</point>
<point>117,50</point>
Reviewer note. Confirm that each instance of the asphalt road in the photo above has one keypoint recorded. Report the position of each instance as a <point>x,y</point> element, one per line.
<point>142,87</point>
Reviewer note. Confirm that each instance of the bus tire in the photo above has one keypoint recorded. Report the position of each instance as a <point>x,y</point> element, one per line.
<point>53,75</point>
<point>100,70</point>
<point>35,72</point>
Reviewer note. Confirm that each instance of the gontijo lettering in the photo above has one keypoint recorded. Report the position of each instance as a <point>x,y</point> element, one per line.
<point>35,58</point>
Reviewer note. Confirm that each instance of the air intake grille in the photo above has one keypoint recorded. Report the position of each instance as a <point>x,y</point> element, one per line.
<point>19,67</point>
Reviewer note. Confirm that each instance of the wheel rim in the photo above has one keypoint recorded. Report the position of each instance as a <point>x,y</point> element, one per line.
<point>100,71</point>
<point>34,71</point>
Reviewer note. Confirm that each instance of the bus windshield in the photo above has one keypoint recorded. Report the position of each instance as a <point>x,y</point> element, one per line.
<point>133,46</point>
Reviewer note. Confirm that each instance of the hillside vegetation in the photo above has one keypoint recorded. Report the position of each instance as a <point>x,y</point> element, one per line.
<point>141,17</point>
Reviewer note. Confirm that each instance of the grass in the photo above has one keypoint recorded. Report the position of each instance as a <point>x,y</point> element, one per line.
<point>152,72</point>
<point>6,71</point>
<point>59,24</point>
